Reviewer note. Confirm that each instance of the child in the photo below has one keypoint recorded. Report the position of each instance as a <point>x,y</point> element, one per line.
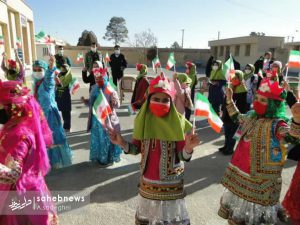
<point>140,88</point>
<point>23,157</point>
<point>15,69</point>
<point>239,97</point>
<point>217,82</point>
<point>101,149</point>
<point>182,98</point>
<point>253,178</point>
<point>60,154</point>
<point>160,136</point>
<point>251,80</point>
<point>63,95</point>
<point>191,71</point>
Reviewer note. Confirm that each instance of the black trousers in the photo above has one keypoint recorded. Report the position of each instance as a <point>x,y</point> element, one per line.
<point>66,115</point>
<point>229,130</point>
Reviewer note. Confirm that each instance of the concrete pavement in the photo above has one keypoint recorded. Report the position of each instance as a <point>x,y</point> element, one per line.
<point>113,190</point>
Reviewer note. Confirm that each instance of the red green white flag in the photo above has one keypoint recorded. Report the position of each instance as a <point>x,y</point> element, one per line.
<point>74,86</point>
<point>19,43</point>
<point>204,108</point>
<point>171,61</point>
<point>228,69</point>
<point>294,59</point>
<point>79,57</point>
<point>107,58</point>
<point>1,40</point>
<point>101,108</point>
<point>155,63</point>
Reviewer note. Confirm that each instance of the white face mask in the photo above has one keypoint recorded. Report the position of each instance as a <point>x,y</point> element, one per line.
<point>248,71</point>
<point>117,52</point>
<point>215,68</point>
<point>38,75</point>
<point>61,52</point>
<point>94,49</point>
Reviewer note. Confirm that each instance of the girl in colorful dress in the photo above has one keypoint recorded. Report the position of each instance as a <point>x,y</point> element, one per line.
<point>23,161</point>
<point>140,88</point>
<point>253,180</point>
<point>160,136</point>
<point>60,154</point>
<point>102,150</point>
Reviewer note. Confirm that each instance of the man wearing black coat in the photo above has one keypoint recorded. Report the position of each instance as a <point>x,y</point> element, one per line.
<point>117,64</point>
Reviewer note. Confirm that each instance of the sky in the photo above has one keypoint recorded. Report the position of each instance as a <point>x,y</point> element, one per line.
<point>200,19</point>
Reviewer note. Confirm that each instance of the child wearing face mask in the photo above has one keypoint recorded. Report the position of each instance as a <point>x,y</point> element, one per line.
<point>102,151</point>
<point>60,154</point>
<point>253,179</point>
<point>160,136</point>
<point>63,95</point>
<point>251,81</point>
<point>216,84</point>
<point>239,97</point>
<point>15,70</point>
<point>182,98</point>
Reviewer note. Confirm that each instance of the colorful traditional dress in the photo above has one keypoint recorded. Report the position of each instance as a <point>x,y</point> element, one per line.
<point>252,180</point>
<point>161,142</point>
<point>101,149</point>
<point>60,154</point>
<point>139,94</point>
<point>24,161</point>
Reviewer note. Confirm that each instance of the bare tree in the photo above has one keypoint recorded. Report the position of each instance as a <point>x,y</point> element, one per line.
<point>142,41</point>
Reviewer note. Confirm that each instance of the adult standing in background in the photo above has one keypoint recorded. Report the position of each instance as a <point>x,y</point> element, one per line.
<point>92,56</point>
<point>117,63</point>
<point>60,59</point>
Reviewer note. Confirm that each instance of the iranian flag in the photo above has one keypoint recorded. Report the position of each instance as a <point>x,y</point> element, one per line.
<point>107,58</point>
<point>155,63</point>
<point>19,43</point>
<point>294,59</point>
<point>74,86</point>
<point>228,69</point>
<point>171,61</point>
<point>101,108</point>
<point>79,57</point>
<point>204,108</point>
<point>1,40</point>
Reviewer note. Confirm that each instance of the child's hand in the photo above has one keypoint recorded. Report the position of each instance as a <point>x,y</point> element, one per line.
<point>116,138</point>
<point>191,141</point>
<point>175,76</point>
<point>229,94</point>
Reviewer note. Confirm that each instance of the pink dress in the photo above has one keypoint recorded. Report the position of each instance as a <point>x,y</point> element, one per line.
<point>20,150</point>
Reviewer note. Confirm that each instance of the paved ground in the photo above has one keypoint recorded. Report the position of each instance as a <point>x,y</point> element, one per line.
<point>113,190</point>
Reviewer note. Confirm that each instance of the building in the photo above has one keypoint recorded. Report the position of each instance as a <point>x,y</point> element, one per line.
<point>43,49</point>
<point>17,24</point>
<point>246,49</point>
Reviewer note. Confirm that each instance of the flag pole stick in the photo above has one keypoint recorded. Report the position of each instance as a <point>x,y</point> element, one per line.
<point>194,125</point>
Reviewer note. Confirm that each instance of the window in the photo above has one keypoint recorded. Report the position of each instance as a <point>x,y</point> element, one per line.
<point>45,51</point>
<point>247,50</point>
<point>221,53</point>
<point>237,50</point>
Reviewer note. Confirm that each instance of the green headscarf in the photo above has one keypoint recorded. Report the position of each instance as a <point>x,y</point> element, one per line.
<point>143,71</point>
<point>252,68</point>
<point>172,127</point>
<point>184,79</point>
<point>193,74</point>
<point>217,74</point>
<point>240,88</point>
